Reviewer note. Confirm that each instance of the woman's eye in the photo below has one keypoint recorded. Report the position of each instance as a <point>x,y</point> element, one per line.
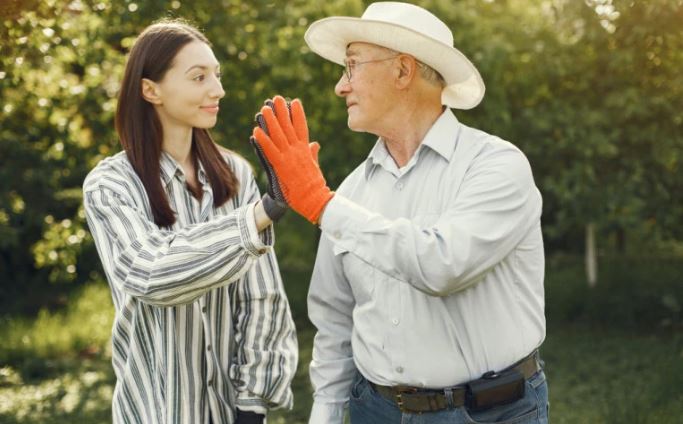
<point>219,75</point>
<point>198,78</point>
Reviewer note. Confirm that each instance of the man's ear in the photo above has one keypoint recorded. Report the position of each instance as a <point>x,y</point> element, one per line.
<point>407,70</point>
<point>150,91</point>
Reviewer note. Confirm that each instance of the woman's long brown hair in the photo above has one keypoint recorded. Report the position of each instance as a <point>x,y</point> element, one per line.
<point>139,128</point>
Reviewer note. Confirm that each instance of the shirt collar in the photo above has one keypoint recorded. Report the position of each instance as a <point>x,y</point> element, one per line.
<point>201,174</point>
<point>442,138</point>
<point>170,168</point>
<point>443,135</point>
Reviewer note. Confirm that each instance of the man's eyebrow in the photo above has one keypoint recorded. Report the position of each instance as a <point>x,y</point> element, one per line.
<point>202,67</point>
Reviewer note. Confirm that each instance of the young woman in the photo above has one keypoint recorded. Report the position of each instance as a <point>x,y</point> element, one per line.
<point>203,332</point>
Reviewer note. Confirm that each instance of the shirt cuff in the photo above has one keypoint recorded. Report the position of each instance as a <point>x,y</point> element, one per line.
<point>254,241</point>
<point>333,216</point>
<point>327,413</point>
<point>343,220</point>
<point>247,403</point>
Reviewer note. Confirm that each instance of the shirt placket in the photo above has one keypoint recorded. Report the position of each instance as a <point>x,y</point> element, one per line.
<point>202,211</point>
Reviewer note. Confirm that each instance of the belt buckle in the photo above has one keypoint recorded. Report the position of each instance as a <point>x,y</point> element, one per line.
<point>400,391</point>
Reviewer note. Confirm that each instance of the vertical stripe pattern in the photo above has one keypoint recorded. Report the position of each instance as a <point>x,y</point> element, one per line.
<point>202,320</point>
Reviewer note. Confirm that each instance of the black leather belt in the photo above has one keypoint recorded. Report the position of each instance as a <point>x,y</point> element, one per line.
<point>417,400</point>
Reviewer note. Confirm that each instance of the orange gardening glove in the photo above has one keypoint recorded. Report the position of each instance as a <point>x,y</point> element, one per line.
<point>295,163</point>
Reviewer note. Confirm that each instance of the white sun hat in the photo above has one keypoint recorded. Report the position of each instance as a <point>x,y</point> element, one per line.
<point>408,29</point>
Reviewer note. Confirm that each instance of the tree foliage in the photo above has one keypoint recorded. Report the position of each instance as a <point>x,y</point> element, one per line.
<point>590,90</point>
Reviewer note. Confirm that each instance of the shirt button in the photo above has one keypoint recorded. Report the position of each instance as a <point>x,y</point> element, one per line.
<point>208,348</point>
<point>399,370</point>
<point>337,234</point>
<point>210,382</point>
<point>399,186</point>
<point>394,321</point>
<point>204,309</point>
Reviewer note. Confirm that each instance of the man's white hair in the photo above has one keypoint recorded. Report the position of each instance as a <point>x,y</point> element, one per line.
<point>427,73</point>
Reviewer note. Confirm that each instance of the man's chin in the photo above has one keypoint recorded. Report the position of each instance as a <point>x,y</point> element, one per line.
<point>354,125</point>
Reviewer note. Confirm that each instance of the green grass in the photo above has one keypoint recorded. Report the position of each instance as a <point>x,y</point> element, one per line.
<point>83,328</point>
<point>612,376</point>
<point>613,354</point>
<point>55,368</point>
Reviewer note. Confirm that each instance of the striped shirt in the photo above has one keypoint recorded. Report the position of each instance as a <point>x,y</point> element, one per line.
<point>202,321</point>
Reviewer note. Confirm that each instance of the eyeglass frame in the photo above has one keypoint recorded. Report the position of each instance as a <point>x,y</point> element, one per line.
<point>349,66</point>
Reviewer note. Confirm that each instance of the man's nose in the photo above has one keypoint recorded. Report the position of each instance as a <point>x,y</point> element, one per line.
<point>342,87</point>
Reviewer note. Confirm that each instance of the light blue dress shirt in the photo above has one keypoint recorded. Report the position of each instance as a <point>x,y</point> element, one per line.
<point>427,275</point>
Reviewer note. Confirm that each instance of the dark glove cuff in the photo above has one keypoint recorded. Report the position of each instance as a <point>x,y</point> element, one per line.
<point>273,208</point>
<point>249,417</point>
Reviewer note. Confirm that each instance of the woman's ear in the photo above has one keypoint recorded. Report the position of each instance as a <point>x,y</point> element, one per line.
<point>150,91</point>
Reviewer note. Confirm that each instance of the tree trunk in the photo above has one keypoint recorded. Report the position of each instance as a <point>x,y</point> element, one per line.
<point>591,258</point>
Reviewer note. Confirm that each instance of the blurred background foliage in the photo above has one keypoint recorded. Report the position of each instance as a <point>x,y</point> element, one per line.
<point>590,90</point>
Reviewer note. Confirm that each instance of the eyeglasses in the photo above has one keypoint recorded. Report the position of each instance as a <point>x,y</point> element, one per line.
<point>350,65</point>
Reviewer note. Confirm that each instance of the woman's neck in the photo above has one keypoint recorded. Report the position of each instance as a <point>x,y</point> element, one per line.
<point>178,144</point>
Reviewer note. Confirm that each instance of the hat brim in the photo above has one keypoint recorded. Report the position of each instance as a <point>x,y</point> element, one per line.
<point>329,38</point>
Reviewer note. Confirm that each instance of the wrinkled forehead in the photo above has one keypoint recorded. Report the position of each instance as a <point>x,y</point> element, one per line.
<point>360,49</point>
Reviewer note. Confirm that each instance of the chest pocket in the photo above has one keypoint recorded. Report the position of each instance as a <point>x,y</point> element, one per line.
<point>360,275</point>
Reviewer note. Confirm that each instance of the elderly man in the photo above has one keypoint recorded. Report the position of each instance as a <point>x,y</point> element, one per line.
<point>427,291</point>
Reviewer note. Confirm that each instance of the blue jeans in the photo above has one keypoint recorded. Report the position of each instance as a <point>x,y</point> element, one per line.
<point>366,406</point>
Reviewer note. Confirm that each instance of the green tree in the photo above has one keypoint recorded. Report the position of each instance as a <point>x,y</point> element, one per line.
<point>591,91</point>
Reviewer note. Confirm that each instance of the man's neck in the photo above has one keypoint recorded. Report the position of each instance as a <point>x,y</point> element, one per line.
<point>408,130</point>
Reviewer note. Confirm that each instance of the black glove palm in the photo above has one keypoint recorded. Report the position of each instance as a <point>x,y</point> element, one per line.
<point>274,202</point>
